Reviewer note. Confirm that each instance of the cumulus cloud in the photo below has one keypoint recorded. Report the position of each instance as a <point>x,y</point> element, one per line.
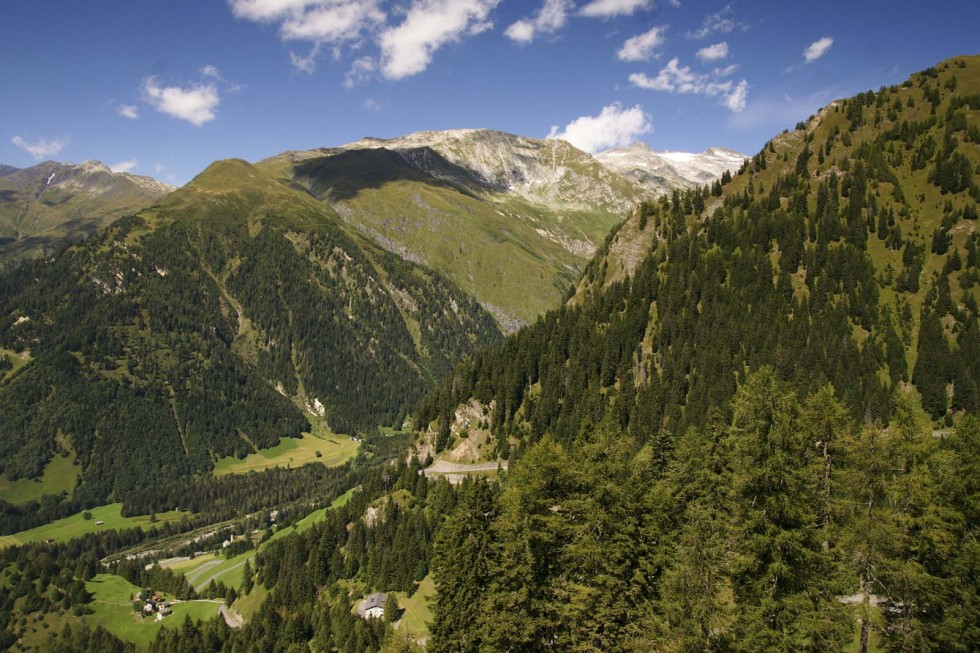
<point>372,105</point>
<point>128,111</point>
<point>407,49</point>
<point>613,127</point>
<point>359,71</point>
<point>817,49</point>
<point>41,148</point>
<point>521,31</point>
<point>642,46</point>
<point>550,18</point>
<point>125,166</point>
<point>320,22</point>
<point>610,8</point>
<point>736,99</point>
<point>195,104</point>
<point>675,78</point>
<point>722,22</point>
<point>713,52</point>
<point>331,22</point>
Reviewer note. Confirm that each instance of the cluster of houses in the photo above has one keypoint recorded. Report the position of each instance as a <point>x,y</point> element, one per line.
<point>153,604</point>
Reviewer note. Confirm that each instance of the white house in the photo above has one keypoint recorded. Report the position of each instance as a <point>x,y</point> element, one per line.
<point>373,607</point>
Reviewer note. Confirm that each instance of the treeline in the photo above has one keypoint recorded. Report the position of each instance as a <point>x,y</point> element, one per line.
<point>778,525</point>
<point>214,499</point>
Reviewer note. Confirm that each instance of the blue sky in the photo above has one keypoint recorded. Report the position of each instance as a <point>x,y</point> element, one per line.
<point>164,88</point>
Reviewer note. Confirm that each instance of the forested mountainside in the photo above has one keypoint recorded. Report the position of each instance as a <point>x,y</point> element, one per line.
<point>844,252</point>
<point>46,206</point>
<point>213,325</point>
<point>770,410</point>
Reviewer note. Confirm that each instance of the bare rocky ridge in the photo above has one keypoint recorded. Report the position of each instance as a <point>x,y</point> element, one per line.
<point>661,172</point>
<point>549,172</point>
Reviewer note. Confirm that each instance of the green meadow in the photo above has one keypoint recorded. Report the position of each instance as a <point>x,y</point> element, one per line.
<point>59,476</point>
<point>112,607</point>
<point>322,446</point>
<point>76,525</point>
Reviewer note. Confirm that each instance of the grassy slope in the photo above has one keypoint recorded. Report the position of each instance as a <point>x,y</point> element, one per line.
<point>516,256</point>
<point>417,614</point>
<point>290,452</point>
<point>76,525</point>
<point>112,609</point>
<point>59,476</point>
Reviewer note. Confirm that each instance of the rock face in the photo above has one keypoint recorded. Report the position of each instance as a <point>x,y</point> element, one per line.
<point>550,173</point>
<point>51,203</point>
<point>661,172</point>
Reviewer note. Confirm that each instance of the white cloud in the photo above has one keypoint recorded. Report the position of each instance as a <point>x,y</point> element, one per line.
<point>125,166</point>
<point>550,18</point>
<point>674,78</point>
<point>128,111</point>
<point>212,72</point>
<point>359,71</point>
<point>613,127</point>
<point>267,10</point>
<point>158,168</point>
<point>407,49</point>
<point>320,22</point>
<point>817,49</point>
<point>195,104</point>
<point>372,105</point>
<point>642,46</point>
<point>610,8</point>
<point>41,148</point>
<point>713,52</point>
<point>331,22</point>
<point>521,31</point>
<point>726,71</point>
<point>305,64</point>
<point>736,99</point>
<point>718,23</point>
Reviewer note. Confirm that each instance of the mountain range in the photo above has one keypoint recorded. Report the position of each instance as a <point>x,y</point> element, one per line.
<point>488,209</point>
<point>50,204</point>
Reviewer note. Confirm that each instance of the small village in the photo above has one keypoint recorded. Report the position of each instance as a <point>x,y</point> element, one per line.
<point>149,603</point>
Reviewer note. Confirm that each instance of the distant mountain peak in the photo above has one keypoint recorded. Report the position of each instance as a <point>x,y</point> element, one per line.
<point>659,172</point>
<point>51,203</point>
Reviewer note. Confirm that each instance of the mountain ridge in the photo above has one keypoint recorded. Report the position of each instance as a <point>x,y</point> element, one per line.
<point>50,204</point>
